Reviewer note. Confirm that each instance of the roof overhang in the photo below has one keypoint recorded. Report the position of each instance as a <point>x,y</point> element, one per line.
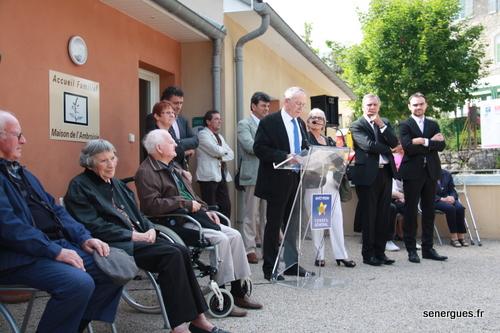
<point>170,18</point>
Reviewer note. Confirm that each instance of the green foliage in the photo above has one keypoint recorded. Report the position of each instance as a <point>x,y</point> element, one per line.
<point>410,46</point>
<point>306,37</point>
<point>497,163</point>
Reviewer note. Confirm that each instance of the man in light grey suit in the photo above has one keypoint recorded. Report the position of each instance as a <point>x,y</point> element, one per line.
<point>212,155</point>
<point>254,208</point>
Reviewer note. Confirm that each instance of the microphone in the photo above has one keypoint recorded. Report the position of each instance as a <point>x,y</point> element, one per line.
<point>315,122</point>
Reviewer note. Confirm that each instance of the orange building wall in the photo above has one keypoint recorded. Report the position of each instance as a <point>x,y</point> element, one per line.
<point>33,40</point>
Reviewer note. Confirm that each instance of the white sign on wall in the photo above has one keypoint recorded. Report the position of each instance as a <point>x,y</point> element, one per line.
<point>74,107</point>
<point>490,123</point>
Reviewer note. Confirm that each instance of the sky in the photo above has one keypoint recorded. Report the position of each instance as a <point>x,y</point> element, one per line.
<point>335,20</point>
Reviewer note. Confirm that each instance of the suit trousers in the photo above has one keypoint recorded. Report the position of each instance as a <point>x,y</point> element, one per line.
<point>75,294</point>
<point>278,211</point>
<point>455,216</point>
<point>254,220</point>
<point>216,193</point>
<point>422,189</point>
<point>232,263</point>
<point>180,290</point>
<point>374,205</point>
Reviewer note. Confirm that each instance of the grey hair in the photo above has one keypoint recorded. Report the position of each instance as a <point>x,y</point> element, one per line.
<point>154,138</point>
<point>365,97</point>
<point>316,112</point>
<point>5,116</point>
<point>293,91</point>
<point>92,148</point>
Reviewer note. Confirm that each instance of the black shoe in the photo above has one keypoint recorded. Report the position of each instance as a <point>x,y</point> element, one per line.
<point>372,261</point>
<point>347,263</point>
<point>269,277</point>
<point>196,329</point>
<point>385,260</point>
<point>433,255</point>
<point>413,257</point>
<point>294,269</point>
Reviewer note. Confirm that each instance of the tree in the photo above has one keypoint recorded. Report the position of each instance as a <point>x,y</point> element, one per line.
<point>306,37</point>
<point>410,46</point>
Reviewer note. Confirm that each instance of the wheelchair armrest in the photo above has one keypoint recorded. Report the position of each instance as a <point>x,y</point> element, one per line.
<point>199,228</point>
<point>224,217</point>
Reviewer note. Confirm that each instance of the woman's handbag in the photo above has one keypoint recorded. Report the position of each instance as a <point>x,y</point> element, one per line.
<point>345,190</point>
<point>118,265</point>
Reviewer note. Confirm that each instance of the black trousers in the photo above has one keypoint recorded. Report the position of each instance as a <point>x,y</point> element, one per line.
<point>397,207</point>
<point>216,193</point>
<point>374,205</point>
<point>278,210</point>
<point>181,292</point>
<point>455,216</point>
<point>422,189</point>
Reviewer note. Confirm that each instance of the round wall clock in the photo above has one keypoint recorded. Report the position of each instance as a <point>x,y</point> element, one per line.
<point>77,50</point>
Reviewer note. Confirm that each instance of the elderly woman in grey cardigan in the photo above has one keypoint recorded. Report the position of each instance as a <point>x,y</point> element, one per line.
<point>108,209</point>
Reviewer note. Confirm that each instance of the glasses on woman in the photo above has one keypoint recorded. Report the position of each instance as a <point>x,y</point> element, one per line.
<point>18,136</point>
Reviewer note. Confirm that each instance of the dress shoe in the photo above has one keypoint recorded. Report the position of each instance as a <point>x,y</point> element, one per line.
<point>433,255</point>
<point>196,329</point>
<point>252,258</point>
<point>247,303</point>
<point>385,260</point>
<point>319,263</point>
<point>237,312</point>
<point>390,246</point>
<point>413,257</point>
<point>294,269</point>
<point>372,261</point>
<point>269,276</point>
<point>347,263</point>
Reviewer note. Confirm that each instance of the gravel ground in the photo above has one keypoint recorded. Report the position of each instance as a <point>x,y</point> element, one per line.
<point>401,297</point>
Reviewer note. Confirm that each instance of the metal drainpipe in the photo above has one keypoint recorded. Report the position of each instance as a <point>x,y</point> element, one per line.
<point>238,59</point>
<point>216,74</point>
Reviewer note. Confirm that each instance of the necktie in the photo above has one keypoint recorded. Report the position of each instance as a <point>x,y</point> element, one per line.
<point>375,130</point>
<point>421,125</point>
<point>296,141</point>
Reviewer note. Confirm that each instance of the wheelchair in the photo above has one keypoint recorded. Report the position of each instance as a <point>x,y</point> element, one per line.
<point>220,301</point>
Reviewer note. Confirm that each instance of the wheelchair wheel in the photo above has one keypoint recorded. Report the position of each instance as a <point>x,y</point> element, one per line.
<point>213,304</point>
<point>169,234</point>
<point>146,304</point>
<point>141,298</point>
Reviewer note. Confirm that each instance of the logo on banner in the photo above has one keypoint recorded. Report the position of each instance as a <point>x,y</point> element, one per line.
<point>321,208</point>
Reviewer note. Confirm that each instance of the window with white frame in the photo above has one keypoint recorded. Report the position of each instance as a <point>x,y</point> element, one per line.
<point>466,8</point>
<point>493,6</point>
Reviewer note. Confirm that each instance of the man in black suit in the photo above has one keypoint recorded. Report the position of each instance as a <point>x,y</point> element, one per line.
<point>420,169</point>
<point>372,174</point>
<point>280,135</point>
<point>181,132</point>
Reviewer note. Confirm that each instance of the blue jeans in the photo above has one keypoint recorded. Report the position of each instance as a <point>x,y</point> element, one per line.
<point>75,295</point>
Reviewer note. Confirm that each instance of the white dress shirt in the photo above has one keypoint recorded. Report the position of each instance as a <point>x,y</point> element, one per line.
<point>287,120</point>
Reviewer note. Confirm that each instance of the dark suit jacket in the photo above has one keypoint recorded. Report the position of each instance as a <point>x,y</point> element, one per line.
<point>21,242</point>
<point>412,165</point>
<point>271,145</point>
<point>90,200</point>
<point>367,151</point>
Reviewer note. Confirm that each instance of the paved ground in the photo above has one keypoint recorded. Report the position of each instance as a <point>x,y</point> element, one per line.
<point>402,297</point>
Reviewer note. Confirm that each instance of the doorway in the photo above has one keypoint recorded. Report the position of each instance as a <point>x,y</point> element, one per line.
<point>149,94</point>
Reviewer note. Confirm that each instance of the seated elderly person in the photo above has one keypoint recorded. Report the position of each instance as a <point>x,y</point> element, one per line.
<point>163,188</point>
<point>447,201</point>
<point>43,247</point>
<point>107,207</point>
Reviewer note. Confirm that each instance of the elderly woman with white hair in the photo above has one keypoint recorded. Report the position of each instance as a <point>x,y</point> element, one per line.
<point>108,209</point>
<point>316,122</point>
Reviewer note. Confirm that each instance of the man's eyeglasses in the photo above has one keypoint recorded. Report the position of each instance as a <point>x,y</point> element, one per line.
<point>18,136</point>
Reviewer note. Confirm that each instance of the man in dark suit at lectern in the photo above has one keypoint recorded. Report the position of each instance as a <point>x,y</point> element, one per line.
<point>372,174</point>
<point>420,169</point>
<point>279,136</point>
